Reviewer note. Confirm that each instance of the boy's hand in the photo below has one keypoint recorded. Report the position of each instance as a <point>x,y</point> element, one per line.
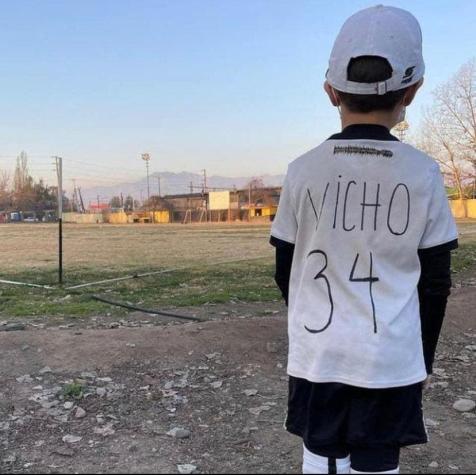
<point>427,383</point>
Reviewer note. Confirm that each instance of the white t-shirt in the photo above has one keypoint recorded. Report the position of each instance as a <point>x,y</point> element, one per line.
<point>358,211</point>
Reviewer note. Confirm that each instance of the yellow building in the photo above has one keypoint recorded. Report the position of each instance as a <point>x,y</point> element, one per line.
<point>265,211</point>
<point>463,208</point>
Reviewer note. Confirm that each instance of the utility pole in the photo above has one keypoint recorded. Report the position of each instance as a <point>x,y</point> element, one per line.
<point>204,181</point>
<point>80,196</point>
<point>99,203</point>
<point>249,202</point>
<point>59,173</point>
<point>160,193</point>
<point>205,189</point>
<point>75,197</point>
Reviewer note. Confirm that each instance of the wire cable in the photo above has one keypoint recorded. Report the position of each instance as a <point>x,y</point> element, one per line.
<point>140,309</point>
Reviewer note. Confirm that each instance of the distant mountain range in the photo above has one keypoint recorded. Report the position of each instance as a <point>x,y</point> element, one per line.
<point>172,183</point>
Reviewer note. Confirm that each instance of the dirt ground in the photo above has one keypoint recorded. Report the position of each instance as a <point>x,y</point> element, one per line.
<point>222,381</point>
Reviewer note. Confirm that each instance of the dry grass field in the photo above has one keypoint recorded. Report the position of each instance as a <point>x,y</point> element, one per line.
<point>213,264</point>
<point>125,248</point>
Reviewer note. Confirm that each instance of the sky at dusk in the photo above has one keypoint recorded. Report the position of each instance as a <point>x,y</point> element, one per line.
<point>233,86</point>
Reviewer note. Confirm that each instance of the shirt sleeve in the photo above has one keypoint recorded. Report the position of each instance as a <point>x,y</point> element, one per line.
<point>433,289</point>
<point>440,225</point>
<point>284,262</point>
<point>285,223</point>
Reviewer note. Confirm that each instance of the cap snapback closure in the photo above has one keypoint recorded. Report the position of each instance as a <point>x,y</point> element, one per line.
<point>382,88</point>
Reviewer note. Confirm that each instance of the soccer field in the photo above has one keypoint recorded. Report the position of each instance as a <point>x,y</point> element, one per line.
<point>211,264</point>
<point>107,248</point>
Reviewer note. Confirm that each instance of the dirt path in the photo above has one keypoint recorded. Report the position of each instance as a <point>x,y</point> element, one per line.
<point>140,383</point>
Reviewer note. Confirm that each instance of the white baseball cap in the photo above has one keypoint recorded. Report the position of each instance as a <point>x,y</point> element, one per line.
<point>388,32</point>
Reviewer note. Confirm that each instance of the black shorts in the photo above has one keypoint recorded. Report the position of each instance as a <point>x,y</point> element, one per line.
<point>337,415</point>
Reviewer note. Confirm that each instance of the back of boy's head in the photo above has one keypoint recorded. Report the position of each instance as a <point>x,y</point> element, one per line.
<point>376,57</point>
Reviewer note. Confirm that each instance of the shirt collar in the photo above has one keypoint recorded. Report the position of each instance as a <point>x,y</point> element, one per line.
<point>365,131</point>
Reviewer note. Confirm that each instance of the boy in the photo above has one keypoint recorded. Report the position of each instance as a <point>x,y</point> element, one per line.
<point>363,236</point>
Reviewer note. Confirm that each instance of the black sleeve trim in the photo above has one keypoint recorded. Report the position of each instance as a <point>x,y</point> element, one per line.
<point>449,246</point>
<point>278,243</point>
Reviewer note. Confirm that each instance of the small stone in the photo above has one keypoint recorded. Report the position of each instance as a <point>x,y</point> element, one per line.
<point>431,423</point>
<point>114,325</point>
<point>80,413</point>
<point>434,465</point>
<point>131,345</point>
<point>256,411</point>
<point>13,327</point>
<point>105,431</point>
<point>101,392</point>
<point>464,405</point>
<point>45,370</point>
<point>63,452</point>
<point>25,379</point>
<point>72,439</point>
<point>272,347</point>
<point>186,469</point>
<point>11,459</point>
<point>217,384</point>
<point>88,375</point>
<point>179,433</point>
<point>68,405</point>
<point>250,392</point>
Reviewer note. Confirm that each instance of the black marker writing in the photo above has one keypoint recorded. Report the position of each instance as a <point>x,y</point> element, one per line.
<point>371,280</point>
<point>345,207</point>
<point>320,275</point>
<point>375,205</point>
<point>392,230</point>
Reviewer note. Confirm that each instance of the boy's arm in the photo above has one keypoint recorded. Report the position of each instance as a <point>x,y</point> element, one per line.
<point>284,260</point>
<point>434,289</point>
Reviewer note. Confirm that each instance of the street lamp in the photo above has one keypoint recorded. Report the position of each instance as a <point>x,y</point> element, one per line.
<point>146,158</point>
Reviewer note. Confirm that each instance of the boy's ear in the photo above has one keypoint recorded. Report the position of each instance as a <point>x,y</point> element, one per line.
<point>333,96</point>
<point>411,93</point>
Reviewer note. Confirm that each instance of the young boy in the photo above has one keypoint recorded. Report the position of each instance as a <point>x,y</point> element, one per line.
<point>363,237</point>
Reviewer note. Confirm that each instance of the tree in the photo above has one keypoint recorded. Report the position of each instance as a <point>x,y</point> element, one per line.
<point>129,203</point>
<point>22,179</point>
<point>116,202</point>
<point>23,184</point>
<point>259,194</point>
<point>401,130</point>
<point>448,131</point>
<point>456,105</point>
<point>5,196</point>
<point>437,141</point>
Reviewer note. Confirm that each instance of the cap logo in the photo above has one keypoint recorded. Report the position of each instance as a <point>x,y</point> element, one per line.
<point>407,78</point>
